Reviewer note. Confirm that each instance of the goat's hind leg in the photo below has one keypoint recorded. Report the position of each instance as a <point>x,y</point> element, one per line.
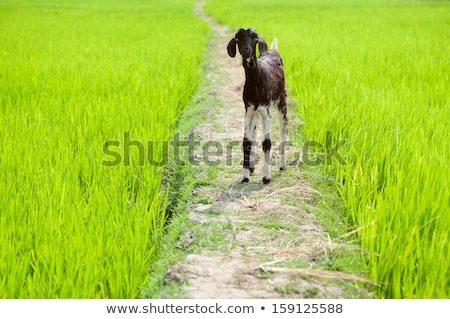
<point>283,120</point>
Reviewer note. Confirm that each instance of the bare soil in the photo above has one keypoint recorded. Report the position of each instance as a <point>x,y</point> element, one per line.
<point>270,238</point>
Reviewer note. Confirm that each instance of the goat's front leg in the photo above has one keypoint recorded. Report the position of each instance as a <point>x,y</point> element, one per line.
<point>267,144</point>
<point>253,155</point>
<point>248,144</point>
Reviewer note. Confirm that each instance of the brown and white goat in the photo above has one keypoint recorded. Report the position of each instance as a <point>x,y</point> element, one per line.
<point>264,87</point>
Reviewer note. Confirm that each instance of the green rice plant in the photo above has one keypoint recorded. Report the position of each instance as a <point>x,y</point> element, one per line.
<point>74,75</point>
<point>375,74</point>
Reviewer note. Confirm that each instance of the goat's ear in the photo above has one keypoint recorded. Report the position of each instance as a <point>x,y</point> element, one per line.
<point>262,45</point>
<point>231,48</point>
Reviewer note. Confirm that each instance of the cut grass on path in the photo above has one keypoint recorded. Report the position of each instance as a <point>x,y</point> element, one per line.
<point>236,240</point>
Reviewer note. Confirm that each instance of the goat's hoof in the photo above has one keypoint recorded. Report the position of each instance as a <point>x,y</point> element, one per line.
<point>266,180</point>
<point>252,170</point>
<point>283,168</point>
<point>245,180</point>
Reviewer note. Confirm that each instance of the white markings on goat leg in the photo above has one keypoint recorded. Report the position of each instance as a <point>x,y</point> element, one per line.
<point>253,127</point>
<point>267,145</point>
<point>250,122</point>
<point>282,119</point>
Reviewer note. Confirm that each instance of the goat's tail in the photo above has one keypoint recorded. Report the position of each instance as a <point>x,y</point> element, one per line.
<point>274,45</point>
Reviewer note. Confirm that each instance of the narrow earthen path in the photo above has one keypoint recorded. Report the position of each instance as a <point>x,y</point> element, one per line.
<point>271,240</point>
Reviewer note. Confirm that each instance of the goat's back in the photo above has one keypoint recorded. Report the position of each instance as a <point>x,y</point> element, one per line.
<point>272,65</point>
<point>272,59</point>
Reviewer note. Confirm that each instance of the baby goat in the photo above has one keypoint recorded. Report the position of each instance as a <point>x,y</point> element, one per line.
<point>264,87</point>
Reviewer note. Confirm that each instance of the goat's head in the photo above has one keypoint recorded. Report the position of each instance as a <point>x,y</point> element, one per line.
<point>246,40</point>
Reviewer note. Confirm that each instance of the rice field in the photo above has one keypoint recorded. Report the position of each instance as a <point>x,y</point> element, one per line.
<point>73,75</point>
<point>80,79</point>
<point>375,74</point>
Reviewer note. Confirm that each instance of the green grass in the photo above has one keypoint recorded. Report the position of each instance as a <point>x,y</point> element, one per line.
<point>74,75</point>
<point>376,74</point>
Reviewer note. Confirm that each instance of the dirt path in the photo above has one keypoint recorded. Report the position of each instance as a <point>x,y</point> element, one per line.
<point>268,242</point>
